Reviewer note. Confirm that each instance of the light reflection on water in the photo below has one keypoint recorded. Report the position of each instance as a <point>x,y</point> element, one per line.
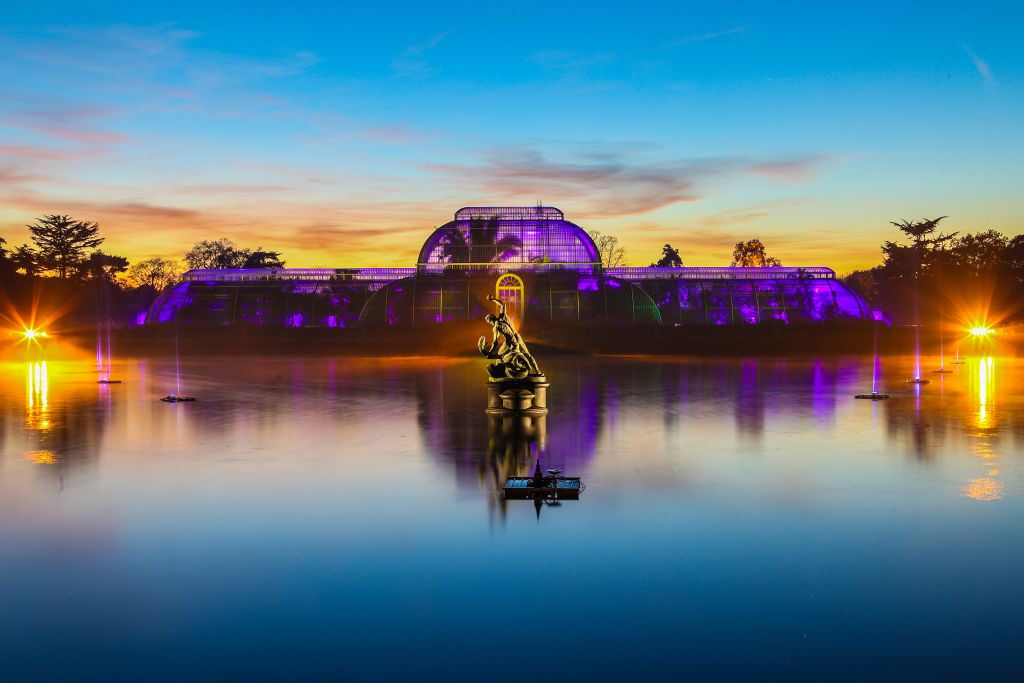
<point>349,507</point>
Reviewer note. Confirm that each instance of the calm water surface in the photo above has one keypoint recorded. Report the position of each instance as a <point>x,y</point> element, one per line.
<point>743,519</point>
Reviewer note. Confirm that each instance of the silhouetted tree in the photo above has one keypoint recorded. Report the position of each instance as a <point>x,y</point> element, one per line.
<point>157,273</point>
<point>1013,258</point>
<point>910,261</point>
<point>670,258</point>
<point>258,258</point>
<point>100,266</point>
<point>608,249</point>
<point>979,253</point>
<point>63,242</point>
<point>864,282</point>
<point>752,253</point>
<point>223,253</point>
<point>6,264</point>
<point>26,259</point>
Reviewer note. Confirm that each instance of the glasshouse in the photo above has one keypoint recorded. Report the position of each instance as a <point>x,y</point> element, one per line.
<point>544,267</point>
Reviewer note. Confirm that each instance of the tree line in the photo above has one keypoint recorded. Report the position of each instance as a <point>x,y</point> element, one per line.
<point>749,253</point>
<point>68,249</point>
<point>928,275</point>
<point>64,259</point>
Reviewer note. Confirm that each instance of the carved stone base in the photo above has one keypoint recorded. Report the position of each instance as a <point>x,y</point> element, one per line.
<point>527,396</point>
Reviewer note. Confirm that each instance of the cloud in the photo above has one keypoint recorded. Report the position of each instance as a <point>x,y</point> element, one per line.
<point>217,189</point>
<point>608,187</point>
<point>35,153</point>
<point>129,209</point>
<point>980,64</point>
<point>68,122</point>
<point>568,60</point>
<point>411,62</point>
<point>791,169</point>
<point>607,183</point>
<point>111,49</point>
<point>700,37</point>
<point>146,57</point>
<point>15,176</point>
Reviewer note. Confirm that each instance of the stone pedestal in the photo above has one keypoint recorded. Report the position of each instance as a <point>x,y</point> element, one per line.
<point>527,396</point>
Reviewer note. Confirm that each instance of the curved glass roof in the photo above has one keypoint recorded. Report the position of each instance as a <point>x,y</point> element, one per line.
<point>496,237</point>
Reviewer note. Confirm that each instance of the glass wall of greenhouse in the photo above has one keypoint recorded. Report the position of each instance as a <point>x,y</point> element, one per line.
<point>544,267</point>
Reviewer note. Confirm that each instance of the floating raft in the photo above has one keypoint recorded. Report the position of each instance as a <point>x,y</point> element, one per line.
<point>108,381</point>
<point>550,487</point>
<point>874,396</point>
<point>177,399</point>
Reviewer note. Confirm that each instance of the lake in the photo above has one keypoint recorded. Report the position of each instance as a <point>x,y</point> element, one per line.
<point>339,518</point>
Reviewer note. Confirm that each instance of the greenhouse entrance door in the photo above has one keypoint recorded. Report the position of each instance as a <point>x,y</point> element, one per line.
<point>509,289</point>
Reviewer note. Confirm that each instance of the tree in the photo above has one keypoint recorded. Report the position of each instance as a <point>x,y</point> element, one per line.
<point>223,253</point>
<point>918,231</point>
<point>25,258</point>
<point>670,258</point>
<point>258,258</point>
<point>752,253</point>
<point>864,282</point>
<point>1013,258</point>
<point>158,273</point>
<point>6,265</point>
<point>220,253</point>
<point>609,252</point>
<point>100,266</point>
<point>63,241</point>
<point>912,261</point>
<point>979,253</point>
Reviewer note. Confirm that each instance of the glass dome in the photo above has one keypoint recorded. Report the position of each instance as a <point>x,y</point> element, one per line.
<point>498,238</point>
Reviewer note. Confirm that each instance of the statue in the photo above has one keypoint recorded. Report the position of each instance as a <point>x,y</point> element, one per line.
<point>512,359</point>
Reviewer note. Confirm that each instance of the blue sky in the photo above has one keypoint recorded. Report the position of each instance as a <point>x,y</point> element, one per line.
<point>342,135</point>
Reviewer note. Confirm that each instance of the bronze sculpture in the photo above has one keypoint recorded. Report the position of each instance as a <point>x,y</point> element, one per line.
<point>512,358</point>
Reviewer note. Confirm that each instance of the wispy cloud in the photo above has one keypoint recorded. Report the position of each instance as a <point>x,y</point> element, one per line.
<point>610,183</point>
<point>980,64</point>
<point>105,49</point>
<point>35,153</point>
<point>791,169</point>
<point>412,61</point>
<point>570,60</point>
<point>68,122</point>
<point>148,56</point>
<point>700,37</point>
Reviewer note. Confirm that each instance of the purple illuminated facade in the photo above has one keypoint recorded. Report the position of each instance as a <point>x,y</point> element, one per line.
<point>547,268</point>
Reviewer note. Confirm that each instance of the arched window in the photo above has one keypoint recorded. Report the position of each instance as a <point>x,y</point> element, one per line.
<point>509,288</point>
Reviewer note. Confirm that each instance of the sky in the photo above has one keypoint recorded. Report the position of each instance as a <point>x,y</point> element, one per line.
<point>342,135</point>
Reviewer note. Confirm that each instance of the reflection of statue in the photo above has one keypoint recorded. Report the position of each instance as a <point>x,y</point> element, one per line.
<point>512,360</point>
